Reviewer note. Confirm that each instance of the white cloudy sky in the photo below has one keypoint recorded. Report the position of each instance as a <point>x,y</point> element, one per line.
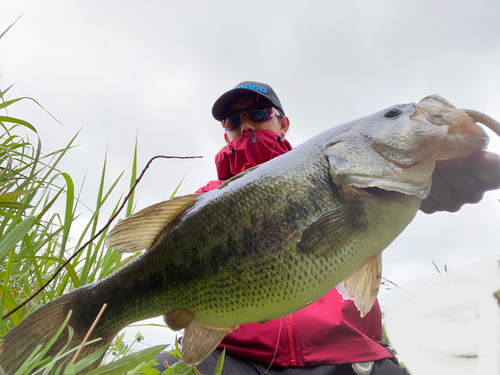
<point>153,69</point>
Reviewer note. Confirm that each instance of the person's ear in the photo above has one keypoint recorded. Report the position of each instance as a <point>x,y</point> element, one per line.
<point>285,125</point>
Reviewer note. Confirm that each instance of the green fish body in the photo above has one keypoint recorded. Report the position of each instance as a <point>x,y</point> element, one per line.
<point>260,247</point>
<point>269,241</point>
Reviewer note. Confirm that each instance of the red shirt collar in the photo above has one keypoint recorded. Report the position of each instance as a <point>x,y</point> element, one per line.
<point>248,150</point>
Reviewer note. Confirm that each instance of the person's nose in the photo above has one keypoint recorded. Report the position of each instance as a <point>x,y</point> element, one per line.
<point>246,126</point>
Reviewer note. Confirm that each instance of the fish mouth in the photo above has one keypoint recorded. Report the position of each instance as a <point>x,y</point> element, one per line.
<point>388,195</point>
<point>461,134</point>
<point>392,189</point>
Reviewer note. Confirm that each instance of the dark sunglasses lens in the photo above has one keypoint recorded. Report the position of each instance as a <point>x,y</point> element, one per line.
<point>260,114</point>
<point>231,121</point>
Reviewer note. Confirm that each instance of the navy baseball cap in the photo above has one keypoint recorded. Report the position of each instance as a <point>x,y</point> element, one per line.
<point>262,92</point>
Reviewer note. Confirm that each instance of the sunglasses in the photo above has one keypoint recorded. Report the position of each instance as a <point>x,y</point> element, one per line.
<point>255,113</point>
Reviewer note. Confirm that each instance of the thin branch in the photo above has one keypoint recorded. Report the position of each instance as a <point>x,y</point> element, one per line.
<point>90,331</point>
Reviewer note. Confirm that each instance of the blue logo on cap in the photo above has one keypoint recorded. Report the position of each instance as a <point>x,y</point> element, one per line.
<point>252,87</point>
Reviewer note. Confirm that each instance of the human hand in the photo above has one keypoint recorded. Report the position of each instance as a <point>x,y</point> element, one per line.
<point>456,182</point>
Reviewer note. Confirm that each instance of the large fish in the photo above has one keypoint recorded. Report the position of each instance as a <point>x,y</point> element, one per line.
<point>269,241</point>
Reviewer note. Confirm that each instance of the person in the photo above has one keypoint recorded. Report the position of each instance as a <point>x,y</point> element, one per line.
<point>328,336</point>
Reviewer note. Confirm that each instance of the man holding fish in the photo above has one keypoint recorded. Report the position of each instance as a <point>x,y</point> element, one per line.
<point>265,249</point>
<point>329,336</point>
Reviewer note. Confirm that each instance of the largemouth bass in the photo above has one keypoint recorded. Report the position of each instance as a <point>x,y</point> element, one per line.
<point>269,241</point>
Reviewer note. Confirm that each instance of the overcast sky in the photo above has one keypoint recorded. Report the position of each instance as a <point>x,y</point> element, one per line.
<point>153,69</point>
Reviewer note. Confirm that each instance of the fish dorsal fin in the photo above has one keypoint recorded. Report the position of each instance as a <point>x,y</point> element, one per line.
<point>138,231</point>
<point>332,230</point>
<point>363,285</point>
<point>200,340</point>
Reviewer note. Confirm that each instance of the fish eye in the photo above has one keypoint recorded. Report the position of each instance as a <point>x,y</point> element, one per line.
<point>393,112</point>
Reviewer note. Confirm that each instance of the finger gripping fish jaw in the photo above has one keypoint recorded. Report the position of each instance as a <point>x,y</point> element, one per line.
<point>396,149</point>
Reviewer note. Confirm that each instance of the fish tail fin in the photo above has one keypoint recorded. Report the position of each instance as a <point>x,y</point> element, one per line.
<point>41,326</point>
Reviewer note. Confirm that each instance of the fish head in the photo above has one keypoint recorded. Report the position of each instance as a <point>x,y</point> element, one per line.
<point>396,149</point>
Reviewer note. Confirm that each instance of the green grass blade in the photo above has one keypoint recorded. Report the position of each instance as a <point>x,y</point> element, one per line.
<point>68,213</point>
<point>35,358</point>
<point>179,185</point>
<point>14,120</point>
<point>129,362</point>
<point>178,368</point>
<point>10,301</point>
<point>90,359</point>
<point>7,103</point>
<point>15,235</point>
<point>69,268</point>
<point>36,266</point>
<point>13,194</point>
<point>133,178</point>
<point>220,363</point>
<point>10,304</point>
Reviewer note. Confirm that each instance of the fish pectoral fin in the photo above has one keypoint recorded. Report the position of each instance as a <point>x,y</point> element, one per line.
<point>332,230</point>
<point>138,232</point>
<point>363,285</point>
<point>200,340</point>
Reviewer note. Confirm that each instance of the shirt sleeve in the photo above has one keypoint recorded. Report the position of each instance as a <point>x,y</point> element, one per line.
<point>214,184</point>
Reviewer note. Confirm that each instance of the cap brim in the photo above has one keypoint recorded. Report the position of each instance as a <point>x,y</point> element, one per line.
<point>222,105</point>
